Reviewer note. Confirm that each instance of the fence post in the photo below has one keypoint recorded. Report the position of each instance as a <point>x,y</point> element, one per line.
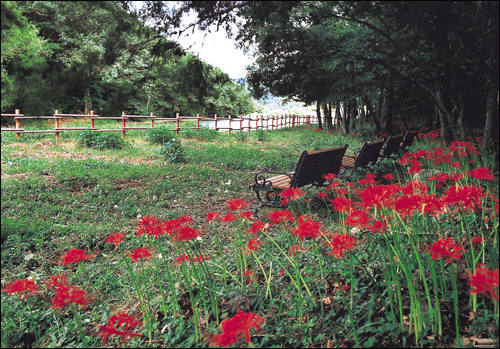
<point>123,124</point>
<point>56,124</point>
<point>241,123</point>
<point>230,125</point>
<point>198,122</point>
<point>92,120</point>
<point>152,122</point>
<point>177,123</point>
<point>249,120</point>
<point>18,123</point>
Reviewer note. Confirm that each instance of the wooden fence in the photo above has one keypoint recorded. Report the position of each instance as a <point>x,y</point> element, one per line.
<point>266,122</point>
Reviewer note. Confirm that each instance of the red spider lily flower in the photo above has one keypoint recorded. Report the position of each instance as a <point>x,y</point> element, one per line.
<point>308,128</point>
<point>248,215</point>
<point>307,228</point>
<point>151,226</point>
<point>250,273</point>
<point>342,191</point>
<point>69,295</point>
<point>456,164</point>
<point>211,216</point>
<point>330,176</point>
<point>358,219</point>
<point>254,244</point>
<point>471,162</point>
<point>322,195</point>
<point>413,186</point>
<point>184,234</point>
<point>236,204</point>
<point>292,193</point>
<point>339,243</point>
<point>234,329</point>
<point>377,227</point>
<point>120,325</point>
<point>333,185</point>
<point>369,179</point>
<point>345,288</point>
<point>116,238</point>
<point>342,204</point>
<point>181,259</point>
<point>58,281</point>
<point>482,173</point>
<point>296,248</point>
<point>257,227</point>
<point>478,239</point>
<point>307,202</point>
<point>281,216</point>
<point>389,177</point>
<point>140,253</point>
<point>201,258</point>
<point>281,273</point>
<point>380,195</point>
<point>484,281</point>
<point>21,286</point>
<point>229,217</point>
<point>76,256</point>
<point>319,129</point>
<point>467,197</point>
<point>186,220</point>
<point>446,248</point>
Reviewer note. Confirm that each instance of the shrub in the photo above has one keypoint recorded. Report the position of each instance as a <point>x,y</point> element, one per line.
<point>172,150</point>
<point>260,135</point>
<point>241,136</point>
<point>159,135</point>
<point>99,140</point>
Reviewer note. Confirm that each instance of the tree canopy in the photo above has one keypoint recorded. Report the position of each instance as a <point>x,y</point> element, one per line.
<point>93,55</point>
<point>415,63</point>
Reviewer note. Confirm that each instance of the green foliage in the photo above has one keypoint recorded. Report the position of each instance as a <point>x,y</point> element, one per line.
<point>172,150</point>
<point>260,135</point>
<point>159,135</point>
<point>100,140</point>
<point>241,136</point>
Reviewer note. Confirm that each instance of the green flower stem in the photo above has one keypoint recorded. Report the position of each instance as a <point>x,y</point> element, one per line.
<point>217,240</point>
<point>173,297</point>
<point>147,304</point>
<point>136,285</point>
<point>79,326</point>
<point>31,324</point>
<point>297,271</point>
<point>268,279</point>
<point>455,301</point>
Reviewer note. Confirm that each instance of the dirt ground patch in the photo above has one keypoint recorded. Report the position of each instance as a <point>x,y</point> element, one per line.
<point>121,184</point>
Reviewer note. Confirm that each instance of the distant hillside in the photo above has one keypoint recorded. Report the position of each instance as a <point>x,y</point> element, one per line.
<point>275,105</point>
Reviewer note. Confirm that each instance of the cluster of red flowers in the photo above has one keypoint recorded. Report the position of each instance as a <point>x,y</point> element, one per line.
<point>185,258</point>
<point>21,286</point>
<point>339,243</point>
<point>294,249</point>
<point>76,256</point>
<point>484,281</point>
<point>120,325</point>
<point>254,244</point>
<point>290,194</point>
<point>307,228</point>
<point>140,253</point>
<point>65,293</point>
<point>179,229</point>
<point>446,248</point>
<point>233,329</point>
<point>281,216</point>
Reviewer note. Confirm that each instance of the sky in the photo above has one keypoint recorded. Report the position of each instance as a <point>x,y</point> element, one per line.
<point>216,49</point>
<point>212,47</point>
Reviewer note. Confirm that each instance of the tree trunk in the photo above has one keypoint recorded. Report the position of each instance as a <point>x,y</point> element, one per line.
<point>338,117</point>
<point>372,113</point>
<point>345,119</point>
<point>491,126</point>
<point>328,115</point>
<point>353,113</point>
<point>389,108</point>
<point>318,114</point>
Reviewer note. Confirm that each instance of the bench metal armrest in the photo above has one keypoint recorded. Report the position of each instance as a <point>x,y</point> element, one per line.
<point>261,178</point>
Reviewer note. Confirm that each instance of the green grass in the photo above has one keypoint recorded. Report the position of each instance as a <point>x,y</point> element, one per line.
<point>58,196</point>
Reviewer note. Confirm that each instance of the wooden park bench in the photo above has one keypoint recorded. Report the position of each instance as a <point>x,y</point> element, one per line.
<point>366,157</point>
<point>392,146</point>
<point>309,170</point>
<point>408,140</point>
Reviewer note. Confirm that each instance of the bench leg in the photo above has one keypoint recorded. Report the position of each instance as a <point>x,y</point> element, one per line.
<point>268,197</point>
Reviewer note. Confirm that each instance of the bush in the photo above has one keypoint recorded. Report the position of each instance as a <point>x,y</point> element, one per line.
<point>260,135</point>
<point>159,135</point>
<point>172,150</point>
<point>241,136</point>
<point>99,140</point>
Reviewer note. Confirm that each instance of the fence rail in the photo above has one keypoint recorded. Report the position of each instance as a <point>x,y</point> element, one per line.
<point>271,122</point>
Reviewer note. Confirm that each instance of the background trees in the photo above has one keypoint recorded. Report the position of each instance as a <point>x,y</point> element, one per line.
<point>82,56</point>
<point>409,63</point>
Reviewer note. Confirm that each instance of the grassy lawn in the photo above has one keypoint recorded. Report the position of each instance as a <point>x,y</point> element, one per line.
<point>349,284</point>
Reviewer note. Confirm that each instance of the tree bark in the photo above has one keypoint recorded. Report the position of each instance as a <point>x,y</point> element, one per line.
<point>389,108</point>
<point>318,114</point>
<point>491,126</point>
